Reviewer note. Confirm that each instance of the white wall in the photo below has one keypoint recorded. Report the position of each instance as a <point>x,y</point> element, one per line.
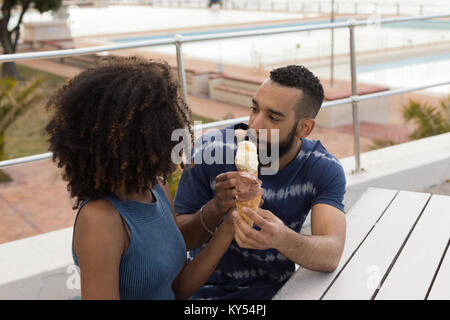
<point>39,267</point>
<point>413,166</point>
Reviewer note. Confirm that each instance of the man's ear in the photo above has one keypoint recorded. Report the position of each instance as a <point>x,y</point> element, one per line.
<point>304,127</point>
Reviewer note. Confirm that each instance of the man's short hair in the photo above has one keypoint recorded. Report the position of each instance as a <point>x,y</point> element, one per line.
<point>296,76</point>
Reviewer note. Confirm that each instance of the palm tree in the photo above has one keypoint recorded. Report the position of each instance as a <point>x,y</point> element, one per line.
<point>430,120</point>
<point>381,143</point>
<point>14,101</point>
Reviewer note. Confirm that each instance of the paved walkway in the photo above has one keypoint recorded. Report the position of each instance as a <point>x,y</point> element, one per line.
<point>36,201</point>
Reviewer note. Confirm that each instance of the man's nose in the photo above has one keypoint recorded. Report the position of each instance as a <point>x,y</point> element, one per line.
<point>257,123</point>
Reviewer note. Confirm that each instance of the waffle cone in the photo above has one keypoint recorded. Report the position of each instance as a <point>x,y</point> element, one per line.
<point>252,204</point>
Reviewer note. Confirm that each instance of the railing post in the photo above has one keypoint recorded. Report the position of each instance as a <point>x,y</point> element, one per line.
<point>332,47</point>
<point>356,143</point>
<point>180,66</point>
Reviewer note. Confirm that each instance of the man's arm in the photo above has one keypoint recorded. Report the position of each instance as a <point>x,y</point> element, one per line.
<point>320,252</point>
<point>191,226</point>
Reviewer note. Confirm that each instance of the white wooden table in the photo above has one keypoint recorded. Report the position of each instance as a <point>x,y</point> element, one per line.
<point>397,247</point>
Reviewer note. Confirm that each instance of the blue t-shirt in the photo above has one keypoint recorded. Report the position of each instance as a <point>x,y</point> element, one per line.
<point>313,176</point>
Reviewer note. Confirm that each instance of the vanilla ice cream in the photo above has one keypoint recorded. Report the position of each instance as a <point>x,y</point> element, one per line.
<point>248,186</point>
<point>247,157</point>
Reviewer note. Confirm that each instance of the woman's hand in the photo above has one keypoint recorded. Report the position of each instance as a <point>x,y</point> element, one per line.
<point>228,222</point>
<point>225,189</point>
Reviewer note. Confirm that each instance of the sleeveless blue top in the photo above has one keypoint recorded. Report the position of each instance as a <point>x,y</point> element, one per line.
<point>156,252</point>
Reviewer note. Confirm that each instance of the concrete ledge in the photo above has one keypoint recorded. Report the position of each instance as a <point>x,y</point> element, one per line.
<point>84,61</point>
<point>233,89</point>
<point>39,267</point>
<point>374,110</point>
<point>196,80</point>
<point>48,30</point>
<point>58,44</point>
<point>413,166</point>
<point>242,92</point>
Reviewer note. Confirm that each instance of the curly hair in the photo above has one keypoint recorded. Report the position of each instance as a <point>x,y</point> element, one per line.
<point>296,76</point>
<point>112,125</point>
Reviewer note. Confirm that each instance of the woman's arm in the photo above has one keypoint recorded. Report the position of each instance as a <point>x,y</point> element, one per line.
<point>99,242</point>
<point>197,272</point>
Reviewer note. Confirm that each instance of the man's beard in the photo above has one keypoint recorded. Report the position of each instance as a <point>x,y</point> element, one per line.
<point>283,146</point>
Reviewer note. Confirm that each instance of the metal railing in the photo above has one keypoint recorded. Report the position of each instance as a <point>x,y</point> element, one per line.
<point>179,40</point>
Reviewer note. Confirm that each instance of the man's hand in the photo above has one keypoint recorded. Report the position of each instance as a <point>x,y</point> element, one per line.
<point>320,252</point>
<point>225,191</point>
<point>271,235</point>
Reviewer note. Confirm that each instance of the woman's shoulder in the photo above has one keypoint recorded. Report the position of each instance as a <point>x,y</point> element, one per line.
<point>100,209</point>
<point>99,225</point>
<point>99,215</point>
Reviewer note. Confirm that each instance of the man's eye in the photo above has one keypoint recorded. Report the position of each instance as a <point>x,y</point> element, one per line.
<point>253,109</point>
<point>273,119</point>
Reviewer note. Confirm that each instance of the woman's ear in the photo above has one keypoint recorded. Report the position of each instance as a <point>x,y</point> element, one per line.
<point>304,127</point>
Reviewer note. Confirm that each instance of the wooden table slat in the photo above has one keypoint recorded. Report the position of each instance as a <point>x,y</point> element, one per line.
<point>413,272</point>
<point>310,285</point>
<point>441,286</point>
<point>361,276</point>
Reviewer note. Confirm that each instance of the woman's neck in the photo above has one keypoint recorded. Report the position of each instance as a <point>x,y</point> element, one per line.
<point>145,197</point>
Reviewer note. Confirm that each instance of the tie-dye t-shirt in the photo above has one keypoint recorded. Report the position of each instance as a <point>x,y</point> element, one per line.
<point>314,176</point>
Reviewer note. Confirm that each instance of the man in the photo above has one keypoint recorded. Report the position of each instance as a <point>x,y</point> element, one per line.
<point>213,2</point>
<point>261,259</point>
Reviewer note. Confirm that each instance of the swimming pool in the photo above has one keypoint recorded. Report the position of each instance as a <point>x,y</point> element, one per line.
<point>223,31</point>
<point>269,51</point>
<point>119,19</point>
<point>410,73</point>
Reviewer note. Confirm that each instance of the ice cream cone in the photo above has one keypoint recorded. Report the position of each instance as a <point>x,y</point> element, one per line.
<point>252,204</point>
<point>248,187</point>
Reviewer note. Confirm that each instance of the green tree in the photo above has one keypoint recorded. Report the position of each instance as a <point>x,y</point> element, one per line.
<point>429,120</point>
<point>9,37</point>
<point>15,99</point>
<point>173,180</point>
<point>381,143</point>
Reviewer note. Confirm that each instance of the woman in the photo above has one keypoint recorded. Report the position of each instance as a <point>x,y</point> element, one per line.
<point>111,134</point>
